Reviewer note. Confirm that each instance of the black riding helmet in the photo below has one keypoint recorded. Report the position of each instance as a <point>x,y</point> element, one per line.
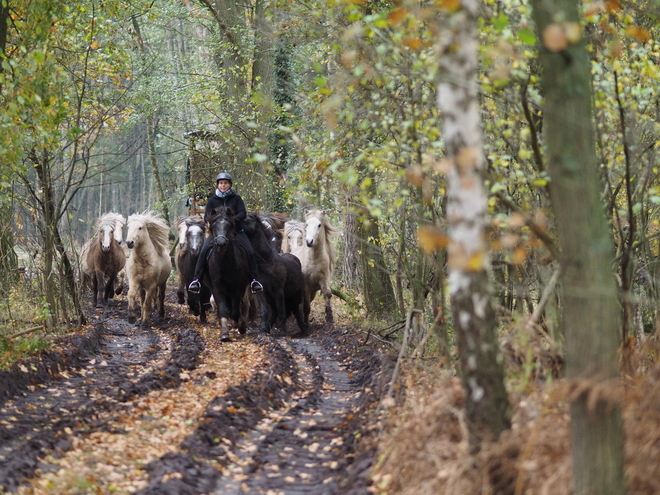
<point>224,176</point>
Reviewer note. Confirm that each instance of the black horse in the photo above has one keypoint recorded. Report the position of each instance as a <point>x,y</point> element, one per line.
<point>281,276</point>
<point>228,273</point>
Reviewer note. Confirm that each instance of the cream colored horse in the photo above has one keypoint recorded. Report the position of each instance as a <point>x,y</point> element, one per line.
<point>148,266</point>
<point>312,243</point>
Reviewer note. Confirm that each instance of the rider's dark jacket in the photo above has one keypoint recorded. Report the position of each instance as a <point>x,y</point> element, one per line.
<point>233,201</point>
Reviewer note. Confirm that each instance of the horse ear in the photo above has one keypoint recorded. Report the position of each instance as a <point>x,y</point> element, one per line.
<point>305,211</point>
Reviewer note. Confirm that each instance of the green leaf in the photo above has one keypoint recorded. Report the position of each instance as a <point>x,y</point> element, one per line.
<point>527,36</point>
<point>500,22</point>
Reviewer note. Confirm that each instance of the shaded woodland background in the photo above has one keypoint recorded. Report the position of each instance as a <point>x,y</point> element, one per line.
<point>133,105</point>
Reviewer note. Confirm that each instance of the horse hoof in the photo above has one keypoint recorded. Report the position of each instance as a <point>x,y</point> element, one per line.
<point>225,338</point>
<point>242,331</point>
<point>131,319</point>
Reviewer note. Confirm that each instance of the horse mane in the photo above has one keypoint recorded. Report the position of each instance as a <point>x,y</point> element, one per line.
<point>195,220</point>
<point>156,227</point>
<point>106,220</point>
<point>275,219</point>
<point>292,225</point>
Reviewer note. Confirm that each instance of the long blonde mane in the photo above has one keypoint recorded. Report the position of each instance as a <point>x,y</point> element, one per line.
<point>156,228</point>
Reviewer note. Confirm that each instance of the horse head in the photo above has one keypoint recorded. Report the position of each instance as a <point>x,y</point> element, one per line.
<point>106,235</point>
<point>182,231</point>
<point>294,233</point>
<point>120,223</point>
<point>223,224</point>
<point>194,236</point>
<point>314,227</point>
<point>136,230</point>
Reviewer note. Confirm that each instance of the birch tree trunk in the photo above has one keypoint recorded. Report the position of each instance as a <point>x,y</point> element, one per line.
<point>486,402</point>
<point>592,314</point>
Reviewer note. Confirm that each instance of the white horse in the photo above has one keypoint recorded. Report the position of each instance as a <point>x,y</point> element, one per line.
<point>314,247</point>
<point>149,264</point>
<point>118,222</point>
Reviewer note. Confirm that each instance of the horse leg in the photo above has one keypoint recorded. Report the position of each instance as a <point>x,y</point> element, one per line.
<point>161,300</point>
<point>95,285</point>
<point>223,316</point>
<point>306,306</point>
<point>304,328</point>
<point>327,295</point>
<point>281,311</point>
<point>131,304</point>
<point>181,292</point>
<point>265,312</point>
<point>109,290</point>
<point>147,304</point>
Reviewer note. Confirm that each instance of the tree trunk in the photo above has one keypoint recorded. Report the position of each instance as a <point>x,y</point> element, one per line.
<point>377,287</point>
<point>486,402</point>
<point>592,318</point>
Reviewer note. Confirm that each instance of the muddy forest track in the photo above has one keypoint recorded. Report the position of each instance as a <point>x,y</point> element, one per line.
<point>290,424</point>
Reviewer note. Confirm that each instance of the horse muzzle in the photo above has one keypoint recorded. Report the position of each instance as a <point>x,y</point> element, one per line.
<point>130,244</point>
<point>220,240</point>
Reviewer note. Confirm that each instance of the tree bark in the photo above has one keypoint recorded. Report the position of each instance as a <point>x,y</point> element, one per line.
<point>486,402</point>
<point>592,317</point>
<point>376,284</point>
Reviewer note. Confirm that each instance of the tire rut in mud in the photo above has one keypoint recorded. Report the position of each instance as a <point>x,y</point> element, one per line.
<point>65,394</point>
<point>291,429</point>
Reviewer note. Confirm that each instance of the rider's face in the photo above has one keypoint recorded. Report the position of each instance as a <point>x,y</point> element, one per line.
<point>224,185</point>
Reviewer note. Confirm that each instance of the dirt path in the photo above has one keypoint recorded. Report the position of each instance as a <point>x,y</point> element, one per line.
<point>167,410</point>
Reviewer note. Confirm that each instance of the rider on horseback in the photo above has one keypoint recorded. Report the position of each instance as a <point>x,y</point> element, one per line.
<point>225,196</point>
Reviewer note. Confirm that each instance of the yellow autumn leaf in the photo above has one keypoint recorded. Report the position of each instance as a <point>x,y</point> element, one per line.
<point>638,33</point>
<point>94,45</point>
<point>476,262</point>
<point>519,256</point>
<point>450,5</point>
<point>397,16</point>
<point>232,409</point>
<point>413,43</point>
<point>430,239</point>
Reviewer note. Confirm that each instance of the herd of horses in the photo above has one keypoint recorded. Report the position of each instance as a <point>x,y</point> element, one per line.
<point>295,261</point>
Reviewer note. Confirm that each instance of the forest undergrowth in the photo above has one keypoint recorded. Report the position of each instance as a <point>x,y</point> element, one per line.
<point>423,448</point>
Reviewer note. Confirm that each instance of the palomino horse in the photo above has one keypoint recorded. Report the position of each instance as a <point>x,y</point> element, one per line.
<point>228,272</point>
<point>191,237</point>
<point>149,264</point>
<point>316,252</point>
<point>103,260</point>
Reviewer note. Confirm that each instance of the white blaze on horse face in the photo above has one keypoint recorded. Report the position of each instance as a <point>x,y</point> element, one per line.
<point>106,235</point>
<point>312,229</point>
<point>195,236</point>
<point>183,230</point>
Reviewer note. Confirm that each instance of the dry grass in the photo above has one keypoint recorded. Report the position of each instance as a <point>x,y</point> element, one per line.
<point>423,448</point>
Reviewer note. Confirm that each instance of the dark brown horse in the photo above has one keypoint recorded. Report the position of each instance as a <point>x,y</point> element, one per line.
<point>104,260</point>
<point>281,276</point>
<point>191,237</point>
